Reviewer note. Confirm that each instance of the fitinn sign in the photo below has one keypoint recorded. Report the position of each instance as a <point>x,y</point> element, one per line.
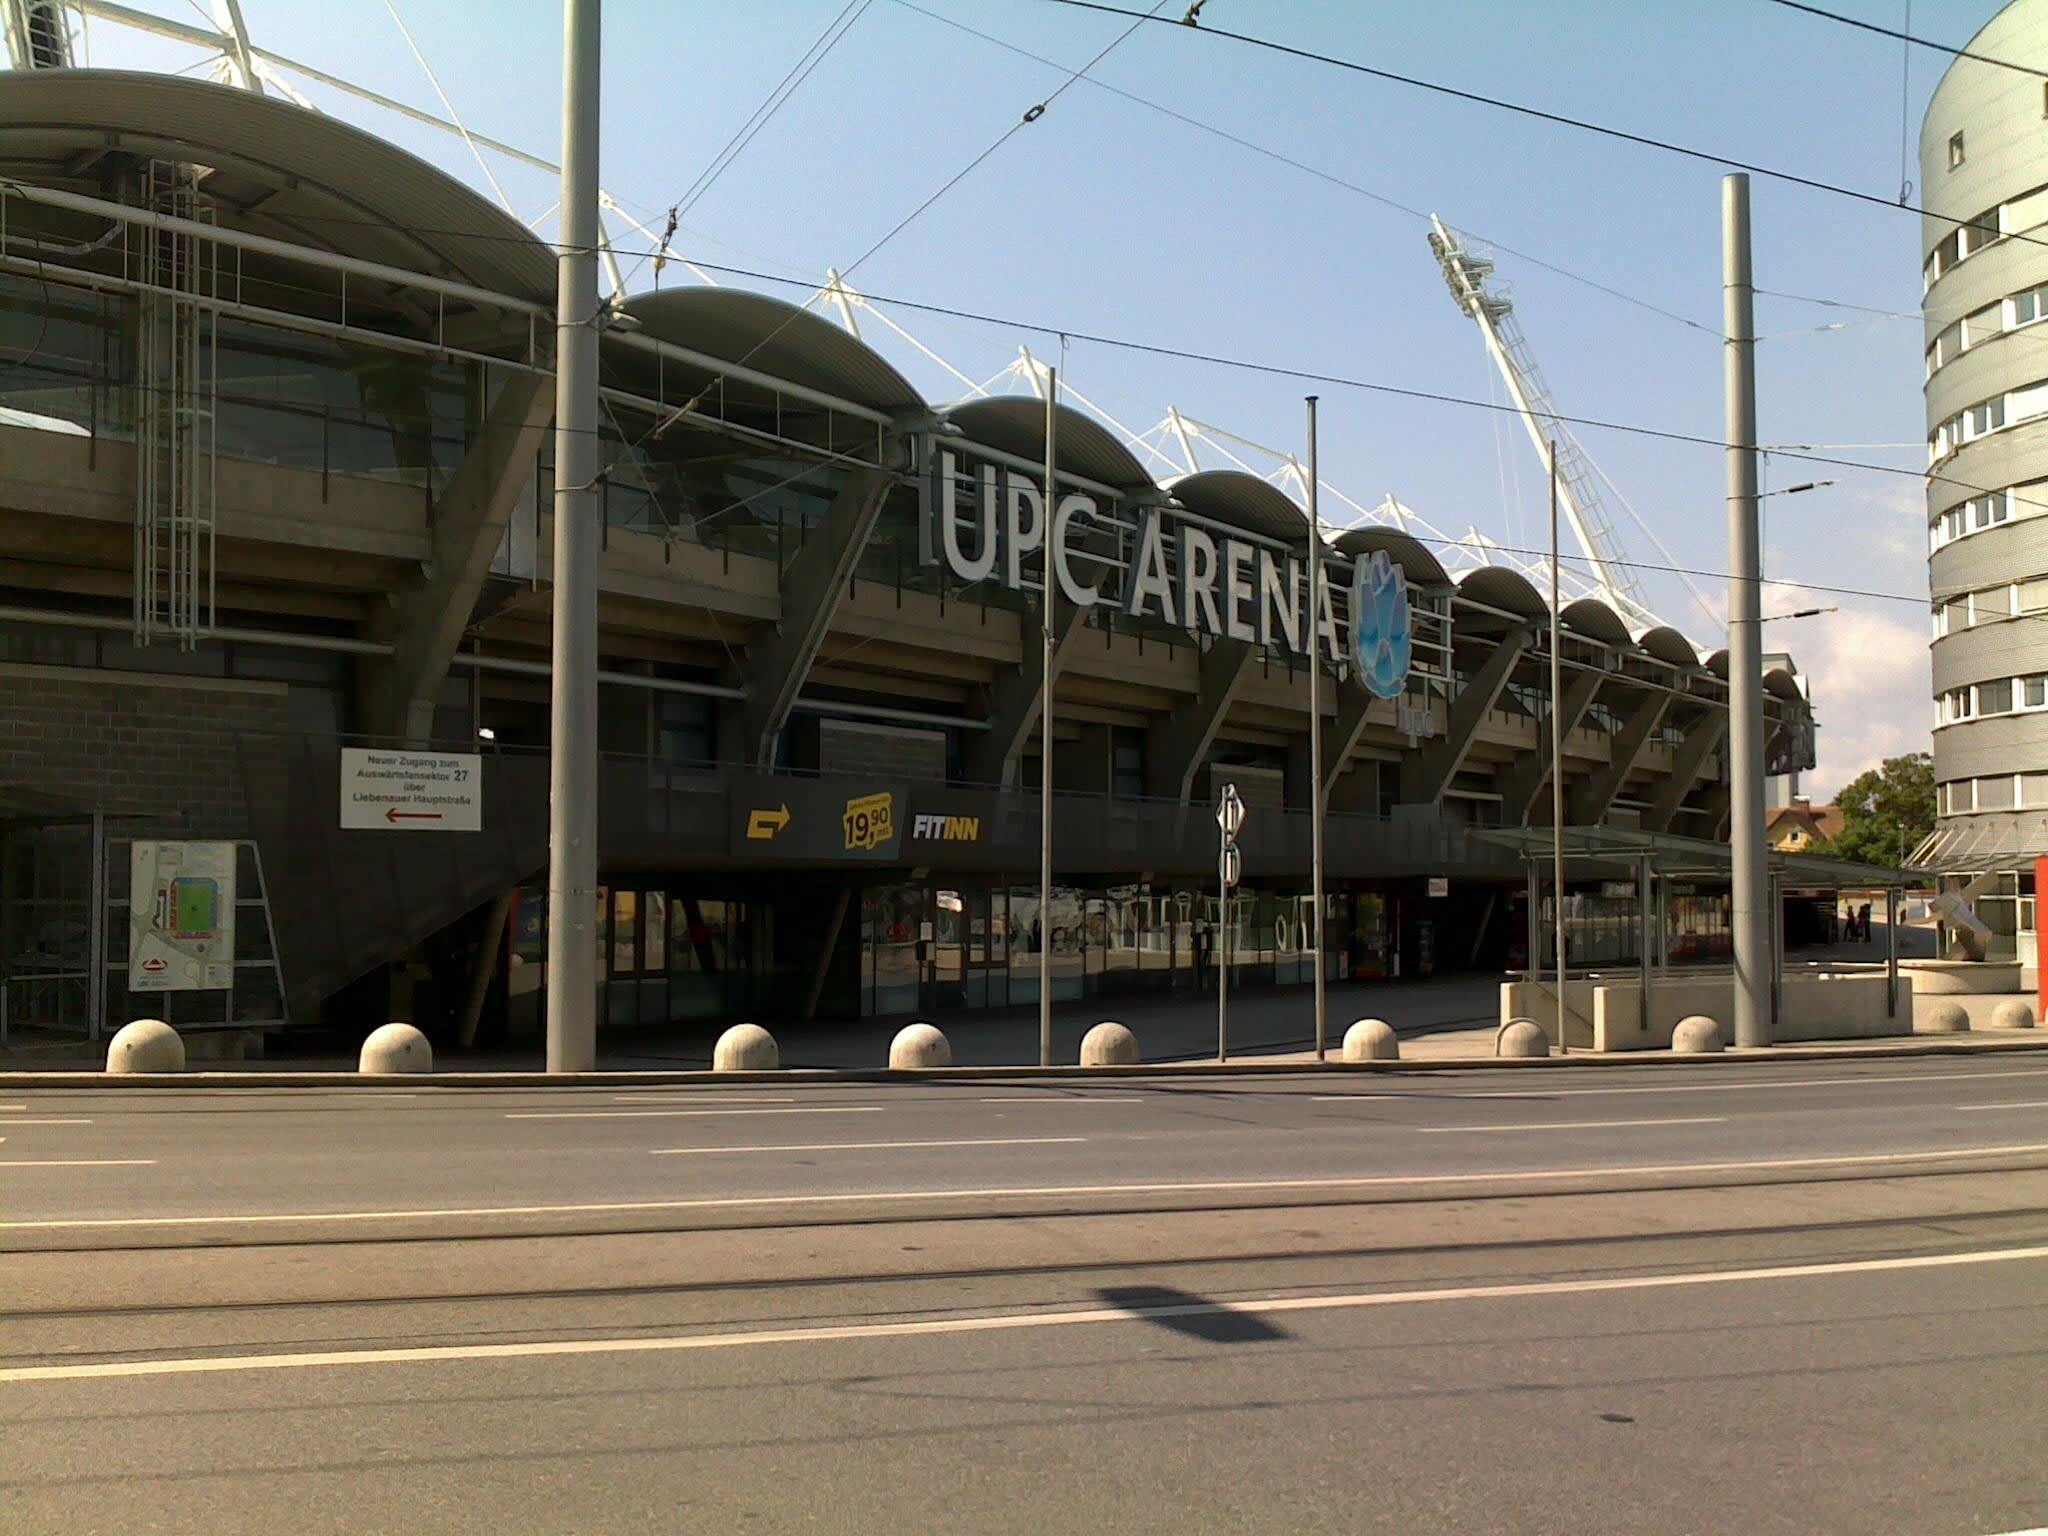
<point>982,520</point>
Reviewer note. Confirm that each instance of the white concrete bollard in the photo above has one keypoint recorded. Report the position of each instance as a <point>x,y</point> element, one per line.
<point>2013,1013</point>
<point>395,1048</point>
<point>1521,1037</point>
<point>1371,1040</point>
<point>146,1045</point>
<point>745,1048</point>
<point>1946,1019</point>
<point>1697,1033</point>
<point>919,1045</point>
<point>1109,1044</point>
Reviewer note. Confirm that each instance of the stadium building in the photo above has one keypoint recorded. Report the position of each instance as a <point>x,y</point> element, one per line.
<point>275,512</point>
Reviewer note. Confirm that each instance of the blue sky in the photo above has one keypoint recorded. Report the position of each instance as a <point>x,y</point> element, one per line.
<point>1107,217</point>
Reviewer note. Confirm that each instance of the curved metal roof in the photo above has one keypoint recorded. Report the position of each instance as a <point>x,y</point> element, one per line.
<point>1016,424</point>
<point>1243,501</point>
<point>1404,549</point>
<point>1717,663</point>
<point>1668,645</point>
<point>1779,680</point>
<point>1498,587</point>
<point>771,336</point>
<point>1592,618</point>
<point>275,169</point>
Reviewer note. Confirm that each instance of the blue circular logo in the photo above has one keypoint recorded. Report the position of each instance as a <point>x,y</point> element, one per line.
<point>1379,624</point>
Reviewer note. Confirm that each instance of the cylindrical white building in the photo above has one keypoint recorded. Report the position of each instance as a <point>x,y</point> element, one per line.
<point>1984,183</point>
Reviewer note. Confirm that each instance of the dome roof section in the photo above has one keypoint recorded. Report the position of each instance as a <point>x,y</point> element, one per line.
<point>764,335</point>
<point>1498,587</point>
<point>272,169</point>
<point>1239,500</point>
<point>1015,424</point>
<point>1592,618</point>
<point>1404,549</point>
<point>1668,645</point>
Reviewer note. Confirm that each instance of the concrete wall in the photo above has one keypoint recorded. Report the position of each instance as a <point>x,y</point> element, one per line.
<point>1605,1013</point>
<point>134,743</point>
<point>1538,1000</point>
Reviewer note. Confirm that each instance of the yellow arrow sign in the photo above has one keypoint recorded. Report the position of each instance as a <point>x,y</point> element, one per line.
<point>762,825</point>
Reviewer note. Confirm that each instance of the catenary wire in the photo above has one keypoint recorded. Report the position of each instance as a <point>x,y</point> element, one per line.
<point>1540,114</point>
<point>1907,37</point>
<point>1305,168</point>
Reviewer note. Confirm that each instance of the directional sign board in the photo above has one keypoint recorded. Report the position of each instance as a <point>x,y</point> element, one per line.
<point>1233,866</point>
<point>1230,811</point>
<point>181,917</point>
<point>411,791</point>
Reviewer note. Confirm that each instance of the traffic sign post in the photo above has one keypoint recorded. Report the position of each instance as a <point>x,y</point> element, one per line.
<point>1229,869</point>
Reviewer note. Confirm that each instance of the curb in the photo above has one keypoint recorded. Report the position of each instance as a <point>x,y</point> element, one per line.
<point>826,1076</point>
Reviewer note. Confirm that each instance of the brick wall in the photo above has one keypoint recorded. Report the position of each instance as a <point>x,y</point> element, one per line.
<point>133,743</point>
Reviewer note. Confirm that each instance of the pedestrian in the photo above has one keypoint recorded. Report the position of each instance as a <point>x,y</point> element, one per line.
<point>1863,922</point>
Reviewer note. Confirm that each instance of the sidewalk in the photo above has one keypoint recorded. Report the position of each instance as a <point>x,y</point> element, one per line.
<point>1168,1029</point>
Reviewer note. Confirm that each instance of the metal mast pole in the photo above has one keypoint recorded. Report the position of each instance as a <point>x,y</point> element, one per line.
<point>1752,925</point>
<point>1315,736</point>
<point>1052,497</point>
<point>572,732</point>
<point>1556,764</point>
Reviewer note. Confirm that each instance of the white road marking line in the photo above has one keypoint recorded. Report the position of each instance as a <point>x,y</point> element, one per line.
<point>1738,1086</point>
<point>5,1107</point>
<point>673,1114</point>
<point>78,1162</point>
<point>2019,1104</point>
<point>1567,1125</point>
<point>1040,1191</point>
<point>646,1096</point>
<point>1359,1098</point>
<point>45,1122</point>
<point>1004,1322</point>
<point>871,1146</point>
<point>1039,1098</point>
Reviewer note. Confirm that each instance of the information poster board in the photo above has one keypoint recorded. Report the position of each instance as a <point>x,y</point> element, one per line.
<point>181,917</point>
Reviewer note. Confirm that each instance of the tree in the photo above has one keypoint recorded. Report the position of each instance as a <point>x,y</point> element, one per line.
<point>1885,811</point>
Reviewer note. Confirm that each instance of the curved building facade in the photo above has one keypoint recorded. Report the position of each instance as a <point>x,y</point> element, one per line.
<point>1984,182</point>
<point>275,400</point>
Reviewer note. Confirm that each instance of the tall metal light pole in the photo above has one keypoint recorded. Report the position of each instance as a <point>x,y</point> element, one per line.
<point>1752,919</point>
<point>1315,736</point>
<point>572,730</point>
<point>1556,764</point>
<point>1052,497</point>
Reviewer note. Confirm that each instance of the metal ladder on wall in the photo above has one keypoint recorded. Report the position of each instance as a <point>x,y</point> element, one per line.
<point>176,378</point>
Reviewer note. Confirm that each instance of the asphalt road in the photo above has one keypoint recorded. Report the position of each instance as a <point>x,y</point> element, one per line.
<point>1741,1298</point>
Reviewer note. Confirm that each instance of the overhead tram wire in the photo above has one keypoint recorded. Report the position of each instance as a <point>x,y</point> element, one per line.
<point>1909,39</point>
<point>1031,115</point>
<point>822,45</point>
<point>1310,170</point>
<point>1556,119</point>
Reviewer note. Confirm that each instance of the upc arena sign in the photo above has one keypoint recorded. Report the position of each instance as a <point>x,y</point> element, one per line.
<point>986,522</point>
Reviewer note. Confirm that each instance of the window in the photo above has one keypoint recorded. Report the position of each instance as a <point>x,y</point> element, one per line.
<point>1962,795</point>
<point>2034,692</point>
<point>1955,149</point>
<point>1987,417</point>
<point>1995,794</point>
<point>1995,698</point>
<point>2033,595</point>
<point>1127,762</point>
<point>2034,789</point>
<point>686,729</point>
<point>2030,305</point>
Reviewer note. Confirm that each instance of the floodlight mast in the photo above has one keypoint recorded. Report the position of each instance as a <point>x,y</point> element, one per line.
<point>1465,274</point>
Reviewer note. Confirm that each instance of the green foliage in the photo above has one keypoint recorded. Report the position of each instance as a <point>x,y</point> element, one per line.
<point>1885,811</point>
